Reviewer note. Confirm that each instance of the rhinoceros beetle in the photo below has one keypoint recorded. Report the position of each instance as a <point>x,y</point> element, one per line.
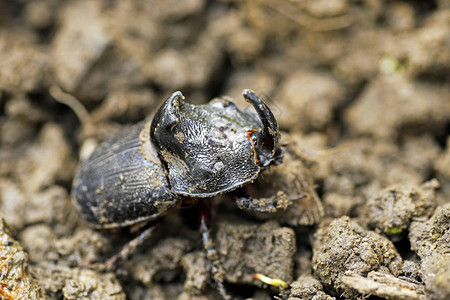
<point>185,150</point>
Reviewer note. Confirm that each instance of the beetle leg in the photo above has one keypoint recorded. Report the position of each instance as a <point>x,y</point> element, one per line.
<point>269,132</point>
<point>124,253</point>
<point>211,253</point>
<point>249,203</point>
<point>271,204</point>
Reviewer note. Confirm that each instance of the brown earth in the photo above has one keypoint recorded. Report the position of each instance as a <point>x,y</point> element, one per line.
<point>362,95</point>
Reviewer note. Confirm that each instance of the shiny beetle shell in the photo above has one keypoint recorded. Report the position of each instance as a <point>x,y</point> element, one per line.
<point>185,150</point>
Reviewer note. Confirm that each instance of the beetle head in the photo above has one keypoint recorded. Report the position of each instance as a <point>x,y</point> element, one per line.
<point>214,148</point>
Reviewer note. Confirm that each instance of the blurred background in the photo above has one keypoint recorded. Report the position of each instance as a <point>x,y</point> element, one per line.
<point>369,78</point>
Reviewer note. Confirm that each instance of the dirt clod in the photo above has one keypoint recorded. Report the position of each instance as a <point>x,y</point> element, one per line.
<point>392,210</point>
<point>385,285</point>
<point>89,285</point>
<point>246,249</point>
<point>197,274</point>
<point>436,270</point>
<point>16,281</point>
<point>385,111</point>
<point>308,100</point>
<point>160,263</point>
<point>307,287</point>
<point>344,248</point>
<point>75,283</point>
<point>433,235</point>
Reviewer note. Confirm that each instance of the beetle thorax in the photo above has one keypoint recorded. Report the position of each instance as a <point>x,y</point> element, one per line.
<point>207,149</point>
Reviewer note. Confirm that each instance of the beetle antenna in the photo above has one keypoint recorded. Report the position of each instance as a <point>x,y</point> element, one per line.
<point>269,133</point>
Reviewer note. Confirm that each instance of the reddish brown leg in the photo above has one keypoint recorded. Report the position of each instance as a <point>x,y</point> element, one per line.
<point>217,270</point>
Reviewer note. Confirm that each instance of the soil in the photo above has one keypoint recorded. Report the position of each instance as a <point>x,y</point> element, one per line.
<point>359,208</point>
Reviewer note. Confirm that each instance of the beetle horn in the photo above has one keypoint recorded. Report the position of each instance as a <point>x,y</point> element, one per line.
<point>165,118</point>
<point>173,103</point>
<point>168,112</point>
<point>269,133</point>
